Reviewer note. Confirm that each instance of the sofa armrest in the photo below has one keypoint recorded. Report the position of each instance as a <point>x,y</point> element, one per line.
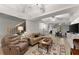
<point>14,50</point>
<point>23,41</point>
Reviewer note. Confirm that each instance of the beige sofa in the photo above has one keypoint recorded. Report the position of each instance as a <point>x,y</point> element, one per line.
<point>34,38</point>
<point>13,45</point>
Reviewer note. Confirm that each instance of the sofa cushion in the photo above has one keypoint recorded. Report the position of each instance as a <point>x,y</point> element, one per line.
<point>33,35</point>
<point>14,39</point>
<point>22,46</point>
<point>14,42</point>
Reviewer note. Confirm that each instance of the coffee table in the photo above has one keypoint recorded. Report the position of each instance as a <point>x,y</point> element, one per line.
<point>45,43</point>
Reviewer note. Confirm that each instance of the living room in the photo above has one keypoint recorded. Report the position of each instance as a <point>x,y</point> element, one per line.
<point>39,29</point>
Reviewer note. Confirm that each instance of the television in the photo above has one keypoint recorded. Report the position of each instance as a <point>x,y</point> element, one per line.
<point>74,28</point>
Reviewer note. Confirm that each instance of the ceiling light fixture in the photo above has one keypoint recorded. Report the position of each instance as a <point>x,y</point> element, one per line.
<point>40,6</point>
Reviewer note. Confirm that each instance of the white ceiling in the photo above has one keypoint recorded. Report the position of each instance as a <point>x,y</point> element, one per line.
<point>37,12</point>
<point>48,7</point>
<point>31,11</point>
<point>65,16</point>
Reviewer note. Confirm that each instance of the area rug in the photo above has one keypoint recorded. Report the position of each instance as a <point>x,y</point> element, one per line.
<point>59,47</point>
<point>54,50</point>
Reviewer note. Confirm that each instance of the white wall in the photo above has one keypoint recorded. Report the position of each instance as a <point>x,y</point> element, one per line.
<point>7,22</point>
<point>32,27</point>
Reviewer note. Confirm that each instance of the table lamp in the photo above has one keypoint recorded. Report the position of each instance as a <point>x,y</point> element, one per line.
<point>20,29</point>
